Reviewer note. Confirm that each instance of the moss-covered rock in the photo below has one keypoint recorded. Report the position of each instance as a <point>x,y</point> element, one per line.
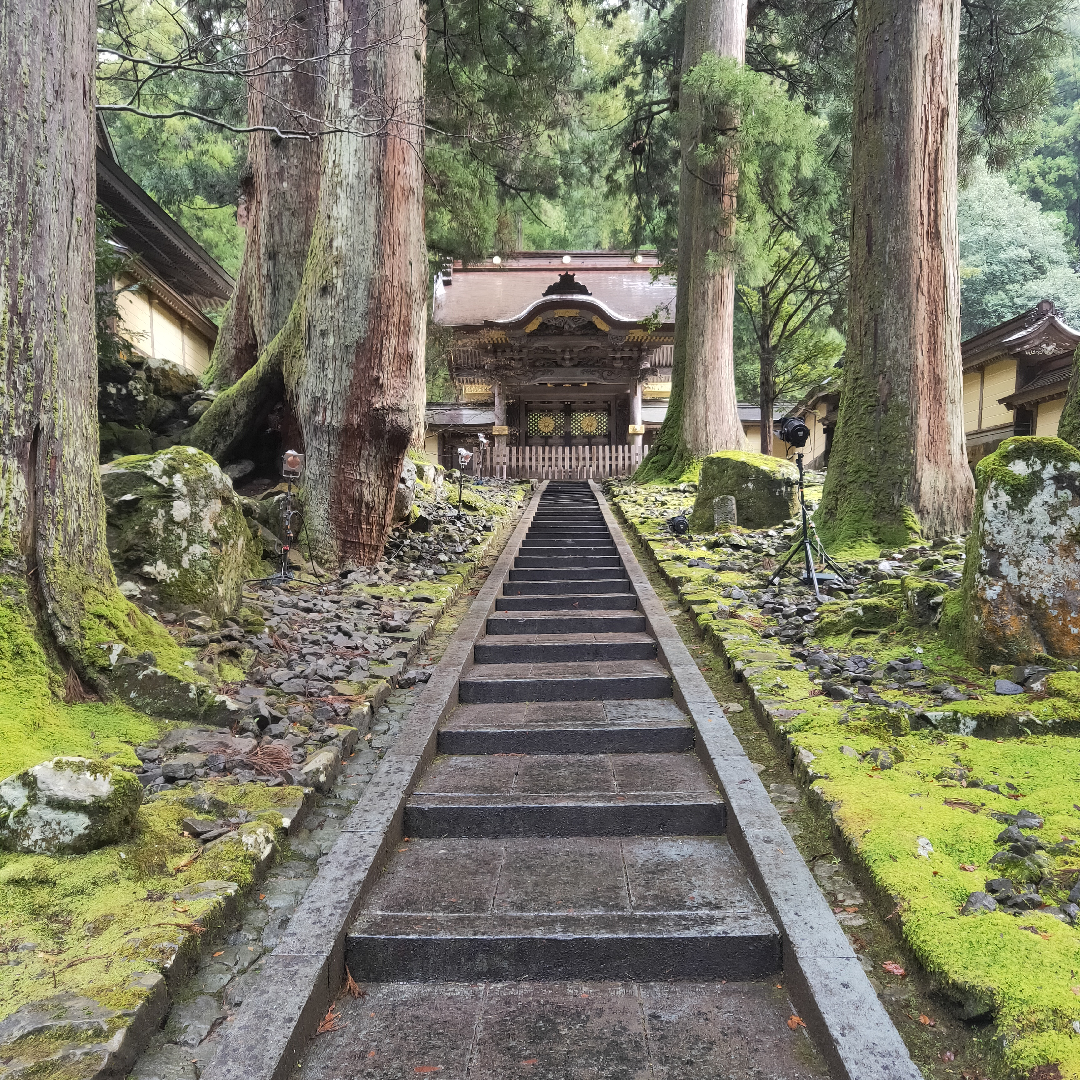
<point>1021,589</point>
<point>177,527</point>
<point>765,489</point>
<point>843,616</point>
<point>67,806</point>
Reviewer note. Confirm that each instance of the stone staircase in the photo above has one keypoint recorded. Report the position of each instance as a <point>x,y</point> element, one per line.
<point>567,828</point>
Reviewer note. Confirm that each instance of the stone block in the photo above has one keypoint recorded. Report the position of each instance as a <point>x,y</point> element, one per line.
<point>765,490</point>
<point>1021,588</point>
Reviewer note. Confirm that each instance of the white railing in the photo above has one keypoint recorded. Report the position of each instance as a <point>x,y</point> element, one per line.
<point>560,462</point>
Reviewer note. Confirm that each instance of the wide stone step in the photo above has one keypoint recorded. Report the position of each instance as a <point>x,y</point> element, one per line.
<point>569,573</point>
<point>602,681</point>
<point>558,622</point>
<point>566,795</point>
<point>567,532</point>
<point>568,602</point>
<point>586,547</point>
<point>559,562</point>
<point>554,550</point>
<point>555,588</point>
<point>571,727</point>
<point>564,648</point>
<point>586,907</point>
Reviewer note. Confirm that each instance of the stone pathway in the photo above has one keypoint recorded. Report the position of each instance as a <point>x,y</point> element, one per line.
<point>566,903</point>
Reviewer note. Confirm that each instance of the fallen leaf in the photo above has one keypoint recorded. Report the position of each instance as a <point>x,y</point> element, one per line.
<point>968,867</point>
<point>851,910</point>
<point>350,985</point>
<point>530,1061</point>
<point>329,1022</point>
<point>222,953</point>
<point>959,804</point>
<point>893,968</point>
<point>1036,930</point>
<point>371,1053</point>
<point>1076,990</point>
<point>924,1019</point>
<point>795,1023</point>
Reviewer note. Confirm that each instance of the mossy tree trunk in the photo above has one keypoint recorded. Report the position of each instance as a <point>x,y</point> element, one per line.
<point>766,372</point>
<point>702,415</point>
<point>898,464</point>
<point>52,517</point>
<point>351,353</point>
<point>1069,421</point>
<point>279,187</point>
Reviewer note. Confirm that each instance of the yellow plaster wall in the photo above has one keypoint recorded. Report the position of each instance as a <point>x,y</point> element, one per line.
<point>999,380</point>
<point>1046,422</point>
<point>972,384</point>
<point>152,329</point>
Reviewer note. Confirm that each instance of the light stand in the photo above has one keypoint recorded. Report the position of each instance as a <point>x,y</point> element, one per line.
<point>795,433</point>
<point>292,463</point>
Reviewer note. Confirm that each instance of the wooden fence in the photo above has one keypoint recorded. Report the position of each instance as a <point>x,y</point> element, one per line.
<point>560,462</point>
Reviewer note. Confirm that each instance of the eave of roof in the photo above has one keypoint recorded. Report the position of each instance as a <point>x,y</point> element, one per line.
<point>1037,332</point>
<point>165,246</point>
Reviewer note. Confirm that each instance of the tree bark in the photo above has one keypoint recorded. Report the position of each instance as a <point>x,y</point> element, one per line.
<point>702,415</point>
<point>898,465</point>
<point>54,565</point>
<point>354,343</point>
<point>766,390</point>
<point>280,184</point>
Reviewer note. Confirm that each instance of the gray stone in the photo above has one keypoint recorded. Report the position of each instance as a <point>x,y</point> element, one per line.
<point>67,806</point>
<point>176,524</point>
<point>1005,686</point>
<point>978,903</point>
<point>194,1020</point>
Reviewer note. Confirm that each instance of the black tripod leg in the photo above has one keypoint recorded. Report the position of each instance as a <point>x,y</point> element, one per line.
<point>780,569</point>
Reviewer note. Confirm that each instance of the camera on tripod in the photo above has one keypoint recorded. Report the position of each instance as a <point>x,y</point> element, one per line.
<point>794,431</point>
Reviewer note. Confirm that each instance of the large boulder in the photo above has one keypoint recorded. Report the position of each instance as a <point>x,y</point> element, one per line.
<point>176,528</point>
<point>138,392</point>
<point>766,490</point>
<point>67,806</point>
<point>1021,588</point>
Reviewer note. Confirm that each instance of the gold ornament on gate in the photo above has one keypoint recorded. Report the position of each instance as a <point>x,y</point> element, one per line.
<point>546,425</point>
<point>589,425</point>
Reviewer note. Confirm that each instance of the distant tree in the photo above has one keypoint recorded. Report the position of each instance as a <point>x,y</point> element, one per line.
<point>1012,255</point>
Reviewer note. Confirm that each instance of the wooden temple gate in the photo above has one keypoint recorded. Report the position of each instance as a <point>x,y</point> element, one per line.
<point>559,462</point>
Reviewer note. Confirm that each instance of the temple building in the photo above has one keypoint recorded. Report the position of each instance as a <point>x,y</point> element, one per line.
<point>1015,378</point>
<point>555,355</point>
<point>173,281</point>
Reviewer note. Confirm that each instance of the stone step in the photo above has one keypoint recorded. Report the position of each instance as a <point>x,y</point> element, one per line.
<point>569,573</point>
<point>590,621</point>
<point>566,795</point>
<point>558,562</point>
<point>460,909</point>
<point>556,588</point>
<point>539,550</point>
<point>558,647</point>
<point>569,531</point>
<point>568,602</point>
<point>602,681</point>
<point>572,727</point>
<point>587,546</point>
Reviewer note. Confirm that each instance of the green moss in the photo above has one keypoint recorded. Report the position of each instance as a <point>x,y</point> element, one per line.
<point>765,489</point>
<point>844,616</point>
<point>99,918</point>
<point>35,725</point>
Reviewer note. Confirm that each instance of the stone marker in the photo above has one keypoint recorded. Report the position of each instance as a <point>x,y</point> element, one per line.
<point>67,806</point>
<point>1021,588</point>
<point>765,490</point>
<point>724,512</point>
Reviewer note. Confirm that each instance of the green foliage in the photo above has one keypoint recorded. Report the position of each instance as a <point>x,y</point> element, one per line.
<point>110,263</point>
<point>1050,175</point>
<point>190,167</point>
<point>1012,255</point>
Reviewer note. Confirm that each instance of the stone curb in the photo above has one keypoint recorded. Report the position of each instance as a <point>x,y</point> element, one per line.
<point>826,982</point>
<point>304,972</point>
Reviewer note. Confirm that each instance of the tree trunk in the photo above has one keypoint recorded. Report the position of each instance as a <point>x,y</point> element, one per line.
<point>354,344</point>
<point>767,396</point>
<point>898,464</point>
<point>702,415</point>
<point>54,566</point>
<point>280,183</point>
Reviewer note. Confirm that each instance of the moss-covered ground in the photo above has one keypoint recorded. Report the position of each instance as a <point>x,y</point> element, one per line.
<point>1021,972</point>
<point>85,924</point>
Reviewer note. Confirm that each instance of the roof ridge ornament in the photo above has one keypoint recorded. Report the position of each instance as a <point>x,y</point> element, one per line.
<point>567,285</point>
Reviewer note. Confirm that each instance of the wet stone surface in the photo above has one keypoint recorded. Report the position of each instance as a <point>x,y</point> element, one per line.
<point>227,972</point>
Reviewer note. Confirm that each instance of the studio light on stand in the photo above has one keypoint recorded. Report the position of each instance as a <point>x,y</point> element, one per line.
<point>793,431</point>
<point>464,457</point>
<point>292,465</point>
<point>483,446</point>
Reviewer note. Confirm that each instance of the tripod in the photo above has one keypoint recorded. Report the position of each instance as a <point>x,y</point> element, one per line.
<point>807,547</point>
<point>285,573</point>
